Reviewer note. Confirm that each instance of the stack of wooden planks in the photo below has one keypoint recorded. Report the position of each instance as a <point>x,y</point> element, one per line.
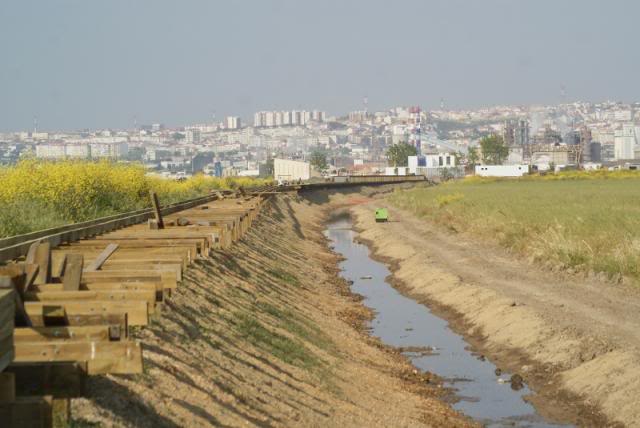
<point>75,303</point>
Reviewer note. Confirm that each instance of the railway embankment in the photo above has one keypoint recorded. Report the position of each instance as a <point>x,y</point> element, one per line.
<point>265,333</point>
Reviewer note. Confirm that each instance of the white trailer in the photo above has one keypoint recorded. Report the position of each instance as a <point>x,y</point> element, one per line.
<point>502,170</point>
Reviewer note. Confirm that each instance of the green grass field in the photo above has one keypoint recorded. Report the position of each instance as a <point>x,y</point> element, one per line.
<point>576,221</point>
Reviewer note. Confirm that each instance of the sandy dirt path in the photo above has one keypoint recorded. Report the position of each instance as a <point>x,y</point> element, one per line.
<point>576,341</point>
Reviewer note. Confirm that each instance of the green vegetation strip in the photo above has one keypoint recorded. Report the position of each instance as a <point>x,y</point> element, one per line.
<point>578,221</point>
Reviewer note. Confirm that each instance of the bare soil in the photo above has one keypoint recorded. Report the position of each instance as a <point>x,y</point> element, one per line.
<point>266,334</point>
<point>575,340</point>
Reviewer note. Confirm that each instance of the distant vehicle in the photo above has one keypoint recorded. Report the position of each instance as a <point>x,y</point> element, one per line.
<point>382,215</point>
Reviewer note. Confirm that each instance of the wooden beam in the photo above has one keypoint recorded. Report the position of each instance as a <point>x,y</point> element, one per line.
<point>31,272</point>
<point>31,254</point>
<point>165,279</point>
<point>150,287</point>
<point>147,295</point>
<point>55,316</point>
<point>73,272</point>
<point>122,357</point>
<point>61,311</point>
<point>95,333</point>
<point>162,267</point>
<point>43,260</point>
<point>11,277</point>
<point>58,266</point>
<point>102,257</point>
<point>156,209</point>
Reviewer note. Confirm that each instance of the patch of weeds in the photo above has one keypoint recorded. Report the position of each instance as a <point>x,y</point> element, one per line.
<point>327,381</point>
<point>444,200</point>
<point>284,348</point>
<point>301,328</point>
<point>284,276</point>
<point>230,263</point>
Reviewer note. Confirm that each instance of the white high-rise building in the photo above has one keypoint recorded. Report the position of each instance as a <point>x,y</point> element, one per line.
<point>625,142</point>
<point>278,118</point>
<point>296,117</point>
<point>232,122</point>
<point>318,115</point>
<point>259,119</point>
<point>270,118</point>
<point>286,118</point>
<point>305,116</point>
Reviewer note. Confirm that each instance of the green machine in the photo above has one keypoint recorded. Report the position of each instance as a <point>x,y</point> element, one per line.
<point>382,215</point>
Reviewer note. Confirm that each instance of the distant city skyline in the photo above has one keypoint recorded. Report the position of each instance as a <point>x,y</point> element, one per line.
<point>76,65</point>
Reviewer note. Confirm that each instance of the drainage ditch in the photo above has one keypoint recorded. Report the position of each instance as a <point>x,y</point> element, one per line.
<point>482,391</point>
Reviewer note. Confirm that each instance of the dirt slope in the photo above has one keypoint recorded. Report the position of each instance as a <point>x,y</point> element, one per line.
<point>266,335</point>
<point>569,337</point>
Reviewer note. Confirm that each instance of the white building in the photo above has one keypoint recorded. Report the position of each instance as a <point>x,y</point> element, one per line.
<point>108,150</point>
<point>258,119</point>
<point>270,119</point>
<point>232,122</point>
<point>82,150</point>
<point>435,160</point>
<point>318,116</point>
<point>400,170</point>
<point>295,117</point>
<point>286,118</point>
<point>192,136</point>
<point>502,170</point>
<point>77,151</point>
<point>50,151</point>
<point>622,115</point>
<point>624,142</point>
<point>291,170</point>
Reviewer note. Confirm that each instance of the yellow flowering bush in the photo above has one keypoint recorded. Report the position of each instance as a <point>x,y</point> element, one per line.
<point>37,194</point>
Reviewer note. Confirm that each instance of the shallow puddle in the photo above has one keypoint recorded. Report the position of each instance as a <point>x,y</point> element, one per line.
<point>401,322</point>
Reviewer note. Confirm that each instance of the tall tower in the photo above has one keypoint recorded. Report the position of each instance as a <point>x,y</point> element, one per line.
<point>415,137</point>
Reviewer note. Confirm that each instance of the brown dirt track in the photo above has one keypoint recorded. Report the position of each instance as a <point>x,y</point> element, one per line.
<point>266,335</point>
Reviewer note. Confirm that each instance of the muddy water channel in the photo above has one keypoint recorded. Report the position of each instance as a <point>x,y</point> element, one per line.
<point>482,393</point>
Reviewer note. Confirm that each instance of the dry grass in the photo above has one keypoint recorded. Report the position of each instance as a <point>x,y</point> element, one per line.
<point>587,222</point>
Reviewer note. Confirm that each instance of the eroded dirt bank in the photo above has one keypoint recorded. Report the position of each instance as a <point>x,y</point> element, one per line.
<point>575,341</point>
<point>266,335</point>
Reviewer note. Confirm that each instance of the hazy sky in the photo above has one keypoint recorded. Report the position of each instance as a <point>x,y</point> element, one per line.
<point>91,63</point>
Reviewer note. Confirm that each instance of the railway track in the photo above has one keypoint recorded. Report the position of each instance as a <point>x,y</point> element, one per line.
<point>76,291</point>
